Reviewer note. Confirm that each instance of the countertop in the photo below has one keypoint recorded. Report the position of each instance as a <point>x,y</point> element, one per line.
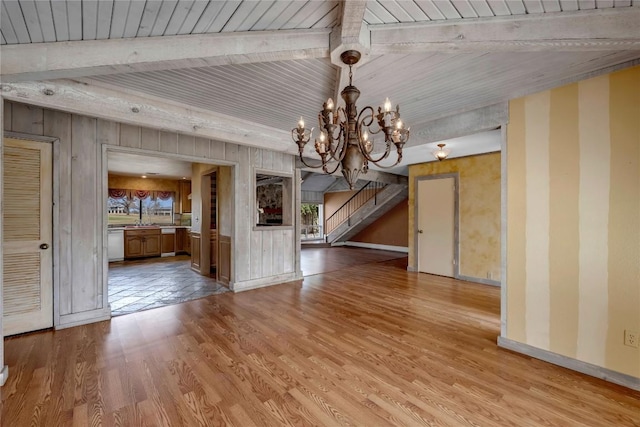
<point>147,227</point>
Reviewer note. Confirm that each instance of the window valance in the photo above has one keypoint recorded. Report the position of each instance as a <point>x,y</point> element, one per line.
<point>119,193</point>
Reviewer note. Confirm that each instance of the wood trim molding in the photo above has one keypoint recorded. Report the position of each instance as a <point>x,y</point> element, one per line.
<point>503,229</point>
<point>570,363</point>
<point>463,123</point>
<point>46,61</point>
<point>601,30</point>
<point>83,318</point>
<point>479,280</point>
<point>247,285</point>
<point>402,249</point>
<point>111,104</point>
<point>4,374</point>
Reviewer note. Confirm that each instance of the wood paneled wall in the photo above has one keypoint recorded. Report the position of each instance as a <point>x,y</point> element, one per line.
<point>259,257</point>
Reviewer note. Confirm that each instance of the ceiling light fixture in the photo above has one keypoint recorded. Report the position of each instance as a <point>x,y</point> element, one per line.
<point>344,134</point>
<point>441,154</point>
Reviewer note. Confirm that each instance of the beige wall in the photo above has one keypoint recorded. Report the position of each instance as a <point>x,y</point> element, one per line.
<point>390,229</point>
<point>479,211</point>
<point>333,201</point>
<point>573,249</point>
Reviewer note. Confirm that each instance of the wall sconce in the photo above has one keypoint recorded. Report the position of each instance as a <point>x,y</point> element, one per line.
<point>441,154</point>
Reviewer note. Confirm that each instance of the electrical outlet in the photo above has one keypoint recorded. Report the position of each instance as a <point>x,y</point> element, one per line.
<point>631,338</point>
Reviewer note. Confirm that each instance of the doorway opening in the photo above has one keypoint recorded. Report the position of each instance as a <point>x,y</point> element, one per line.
<point>311,215</point>
<point>158,210</point>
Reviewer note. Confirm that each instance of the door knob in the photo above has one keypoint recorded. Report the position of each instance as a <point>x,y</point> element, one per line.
<point>44,246</point>
<point>419,231</point>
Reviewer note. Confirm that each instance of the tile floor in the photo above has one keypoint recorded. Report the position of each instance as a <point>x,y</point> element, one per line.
<point>156,282</point>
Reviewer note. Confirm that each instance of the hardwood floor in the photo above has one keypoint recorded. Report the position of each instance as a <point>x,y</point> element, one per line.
<point>368,345</point>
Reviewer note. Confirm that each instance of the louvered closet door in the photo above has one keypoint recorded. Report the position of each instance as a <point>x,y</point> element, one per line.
<point>27,235</point>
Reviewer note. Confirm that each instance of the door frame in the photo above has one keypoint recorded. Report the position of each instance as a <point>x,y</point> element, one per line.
<point>205,244</point>
<point>55,231</point>
<point>456,218</point>
<point>104,185</point>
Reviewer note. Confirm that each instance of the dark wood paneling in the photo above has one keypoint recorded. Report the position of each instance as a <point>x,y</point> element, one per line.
<point>224,258</point>
<point>195,251</point>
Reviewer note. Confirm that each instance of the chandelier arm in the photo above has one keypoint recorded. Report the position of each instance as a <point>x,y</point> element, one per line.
<point>389,166</point>
<point>334,169</point>
<point>381,158</point>
<point>335,146</point>
<point>340,117</point>
<point>363,116</point>
<point>304,162</point>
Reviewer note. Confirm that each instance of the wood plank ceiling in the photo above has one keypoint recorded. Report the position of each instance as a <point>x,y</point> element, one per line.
<point>428,82</point>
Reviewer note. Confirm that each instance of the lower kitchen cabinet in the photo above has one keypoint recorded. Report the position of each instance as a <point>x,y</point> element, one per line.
<point>181,234</point>
<point>168,243</point>
<point>141,243</point>
<point>195,254</point>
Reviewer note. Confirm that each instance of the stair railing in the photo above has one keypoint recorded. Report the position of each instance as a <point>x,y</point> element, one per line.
<point>346,211</point>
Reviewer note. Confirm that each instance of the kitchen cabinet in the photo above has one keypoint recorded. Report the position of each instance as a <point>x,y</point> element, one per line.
<point>195,253</point>
<point>141,243</point>
<point>187,242</point>
<point>185,197</point>
<point>168,242</point>
<point>181,234</point>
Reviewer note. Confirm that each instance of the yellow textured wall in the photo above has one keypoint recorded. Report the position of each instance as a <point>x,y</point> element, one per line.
<point>479,211</point>
<point>573,249</point>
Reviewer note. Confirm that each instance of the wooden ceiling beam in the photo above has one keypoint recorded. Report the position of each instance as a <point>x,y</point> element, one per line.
<point>153,112</point>
<point>601,29</point>
<point>351,34</point>
<point>46,61</point>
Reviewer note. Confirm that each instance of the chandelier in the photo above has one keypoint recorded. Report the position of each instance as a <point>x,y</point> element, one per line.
<point>344,139</point>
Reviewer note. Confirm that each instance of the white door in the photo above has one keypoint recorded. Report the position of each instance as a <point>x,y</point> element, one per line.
<point>27,236</point>
<point>436,226</point>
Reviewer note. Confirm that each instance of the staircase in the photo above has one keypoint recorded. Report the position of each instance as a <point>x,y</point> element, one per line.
<point>362,209</point>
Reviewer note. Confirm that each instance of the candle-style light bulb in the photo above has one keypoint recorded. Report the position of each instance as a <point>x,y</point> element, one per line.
<point>399,124</point>
<point>330,104</point>
<point>387,105</point>
<point>365,136</point>
<point>301,123</point>
<point>321,146</point>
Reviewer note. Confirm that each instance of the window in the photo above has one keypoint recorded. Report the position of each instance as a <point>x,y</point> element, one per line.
<point>274,196</point>
<point>127,207</point>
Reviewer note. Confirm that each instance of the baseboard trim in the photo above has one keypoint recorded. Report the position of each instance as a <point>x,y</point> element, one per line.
<point>570,363</point>
<point>479,280</point>
<point>84,318</point>
<point>411,269</point>
<point>402,249</point>
<point>248,285</point>
<point>4,375</point>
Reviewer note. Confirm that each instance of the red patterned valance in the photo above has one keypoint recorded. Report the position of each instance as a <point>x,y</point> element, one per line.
<point>164,195</point>
<point>119,193</point>
<point>141,194</point>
